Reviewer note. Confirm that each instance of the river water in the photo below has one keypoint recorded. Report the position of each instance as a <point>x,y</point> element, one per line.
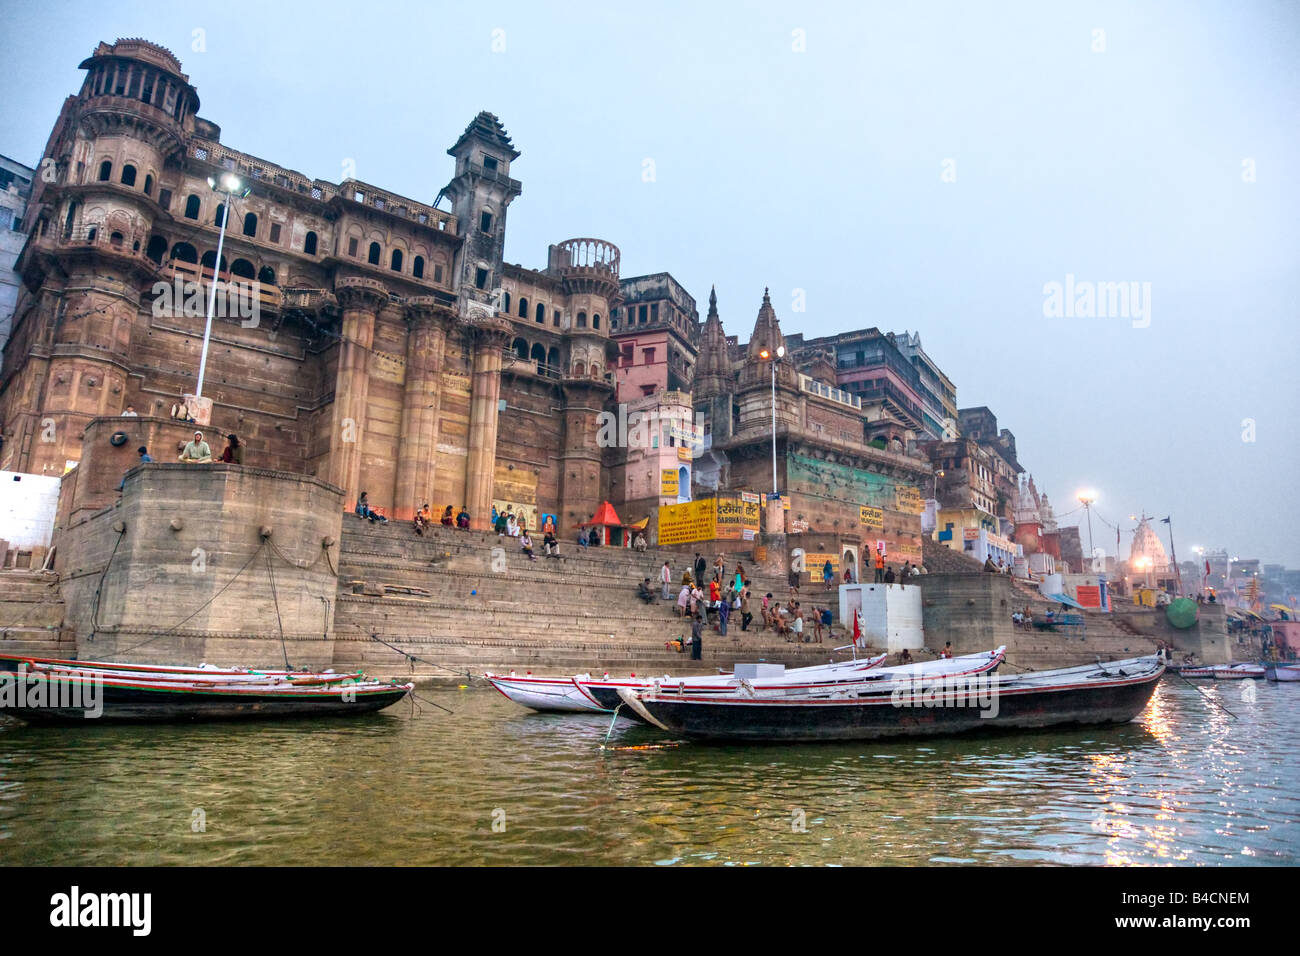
<point>1185,784</point>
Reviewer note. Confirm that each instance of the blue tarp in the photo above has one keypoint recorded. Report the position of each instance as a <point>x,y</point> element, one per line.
<point>1064,599</point>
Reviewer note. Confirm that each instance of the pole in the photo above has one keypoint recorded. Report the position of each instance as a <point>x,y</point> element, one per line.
<point>212,297</point>
<point>1178,574</point>
<point>775,492</point>
<point>1092,556</point>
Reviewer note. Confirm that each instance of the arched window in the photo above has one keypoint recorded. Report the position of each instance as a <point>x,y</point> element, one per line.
<point>538,354</point>
<point>242,268</point>
<point>582,320</point>
<point>92,234</point>
<point>505,302</point>
<point>595,320</point>
<point>309,244</point>
<point>523,307</point>
<point>266,275</point>
<point>520,347</point>
<point>184,252</point>
<point>395,262</point>
<point>417,267</point>
<point>250,224</point>
<point>555,318</point>
<point>553,360</point>
<point>373,257</point>
<point>541,314</point>
<point>105,171</point>
<point>156,248</point>
<point>192,207</point>
<point>579,370</point>
<point>67,223</point>
<point>683,483</point>
<point>221,214</point>
<point>128,175</point>
<point>115,238</point>
<point>210,257</point>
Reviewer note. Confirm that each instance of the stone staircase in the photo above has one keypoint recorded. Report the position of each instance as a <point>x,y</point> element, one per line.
<point>449,598</point>
<point>31,615</point>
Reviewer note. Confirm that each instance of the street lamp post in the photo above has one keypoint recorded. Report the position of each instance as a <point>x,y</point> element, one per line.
<point>765,355</point>
<point>229,184</point>
<point>1087,498</point>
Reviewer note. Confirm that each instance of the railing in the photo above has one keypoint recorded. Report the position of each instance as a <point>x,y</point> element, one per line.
<point>828,392</point>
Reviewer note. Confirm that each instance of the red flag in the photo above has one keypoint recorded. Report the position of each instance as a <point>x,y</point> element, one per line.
<point>857,631</point>
<point>1207,566</point>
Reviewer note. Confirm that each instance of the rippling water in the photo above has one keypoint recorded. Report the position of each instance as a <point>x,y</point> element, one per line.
<point>1184,784</point>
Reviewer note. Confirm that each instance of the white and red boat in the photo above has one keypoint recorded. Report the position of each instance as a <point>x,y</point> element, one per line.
<point>1237,671</point>
<point>1283,673</point>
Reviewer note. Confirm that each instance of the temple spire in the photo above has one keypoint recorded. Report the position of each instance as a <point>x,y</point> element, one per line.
<point>712,365</point>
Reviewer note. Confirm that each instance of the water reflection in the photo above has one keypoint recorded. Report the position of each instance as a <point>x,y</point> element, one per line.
<point>1185,784</point>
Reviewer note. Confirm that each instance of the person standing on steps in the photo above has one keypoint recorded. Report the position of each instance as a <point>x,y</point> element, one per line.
<point>880,566</point>
<point>666,577</point>
<point>697,639</point>
<point>745,616</point>
<point>828,574</point>
<point>701,566</point>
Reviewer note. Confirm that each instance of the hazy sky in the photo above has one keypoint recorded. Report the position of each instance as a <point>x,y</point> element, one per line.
<point>805,146</point>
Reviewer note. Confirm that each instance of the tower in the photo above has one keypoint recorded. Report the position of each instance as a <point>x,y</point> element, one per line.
<point>116,147</point>
<point>480,191</point>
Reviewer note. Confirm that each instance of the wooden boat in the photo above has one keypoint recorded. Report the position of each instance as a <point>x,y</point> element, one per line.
<point>1237,671</point>
<point>565,694</point>
<point>1283,673</point>
<point>1109,693</point>
<point>10,662</point>
<point>63,696</point>
<point>295,678</point>
<point>605,692</point>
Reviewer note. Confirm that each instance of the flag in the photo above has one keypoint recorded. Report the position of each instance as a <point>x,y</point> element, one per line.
<point>1207,567</point>
<point>857,628</point>
<point>1164,521</point>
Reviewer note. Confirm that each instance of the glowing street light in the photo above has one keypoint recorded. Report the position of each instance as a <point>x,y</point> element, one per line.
<point>1087,497</point>
<point>229,184</point>
<point>765,355</point>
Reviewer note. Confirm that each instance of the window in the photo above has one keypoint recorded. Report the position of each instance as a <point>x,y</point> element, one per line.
<point>417,267</point>
<point>105,171</point>
<point>352,246</point>
<point>505,302</point>
<point>640,316</point>
<point>489,162</point>
<point>541,314</point>
<point>148,185</point>
<point>156,249</point>
<point>628,357</point>
<point>266,275</point>
<point>128,175</point>
<point>595,320</point>
<point>437,272</point>
<point>395,261</point>
<point>250,224</point>
<point>654,312</point>
<point>582,320</point>
<point>221,214</point>
<point>649,356</point>
<point>485,221</point>
<point>275,232</point>
<point>480,278</point>
<point>309,244</point>
<point>192,207</point>
<point>555,318</point>
<point>373,256</point>
<point>523,307</point>
<point>165,198</point>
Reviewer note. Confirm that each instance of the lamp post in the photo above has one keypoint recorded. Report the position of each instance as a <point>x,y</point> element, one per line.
<point>1087,498</point>
<point>229,184</point>
<point>766,355</point>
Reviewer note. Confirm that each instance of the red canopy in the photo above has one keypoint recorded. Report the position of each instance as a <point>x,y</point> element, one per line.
<point>606,515</point>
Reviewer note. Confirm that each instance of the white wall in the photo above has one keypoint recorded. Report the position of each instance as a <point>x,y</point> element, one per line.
<point>891,614</point>
<point>27,506</point>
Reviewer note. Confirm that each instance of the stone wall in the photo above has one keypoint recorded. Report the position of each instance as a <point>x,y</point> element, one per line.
<point>181,568</point>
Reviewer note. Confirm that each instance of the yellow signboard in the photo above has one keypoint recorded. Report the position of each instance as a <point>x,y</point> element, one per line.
<point>735,515</point>
<point>907,498</point>
<point>815,562</point>
<point>871,518</point>
<point>683,453</point>
<point>693,521</point>
<point>668,482</point>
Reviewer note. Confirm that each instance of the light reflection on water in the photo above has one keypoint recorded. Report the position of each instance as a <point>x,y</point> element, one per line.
<point>1185,784</point>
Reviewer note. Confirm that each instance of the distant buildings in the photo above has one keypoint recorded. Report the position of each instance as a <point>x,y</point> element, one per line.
<point>15,190</point>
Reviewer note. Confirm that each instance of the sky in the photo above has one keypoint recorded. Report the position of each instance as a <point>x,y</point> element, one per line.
<point>928,167</point>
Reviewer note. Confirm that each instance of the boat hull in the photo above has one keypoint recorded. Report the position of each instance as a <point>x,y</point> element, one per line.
<point>880,717</point>
<point>170,703</point>
<point>1283,673</point>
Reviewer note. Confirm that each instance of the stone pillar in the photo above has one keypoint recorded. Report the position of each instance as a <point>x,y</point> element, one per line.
<point>418,441</point>
<point>490,337</point>
<point>361,300</point>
